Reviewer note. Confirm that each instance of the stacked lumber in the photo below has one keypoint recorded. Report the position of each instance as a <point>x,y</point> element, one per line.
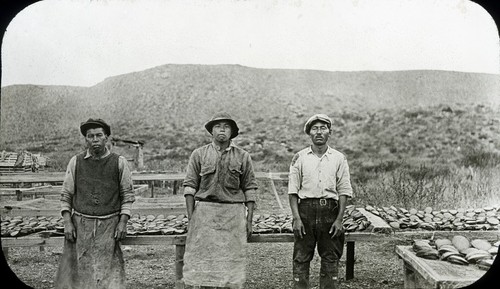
<point>12,162</point>
<point>487,218</point>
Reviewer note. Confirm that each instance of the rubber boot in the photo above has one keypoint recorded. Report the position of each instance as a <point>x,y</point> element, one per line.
<point>301,281</point>
<point>328,275</point>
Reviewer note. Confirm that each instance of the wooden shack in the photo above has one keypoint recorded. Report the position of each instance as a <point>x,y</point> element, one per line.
<point>132,150</point>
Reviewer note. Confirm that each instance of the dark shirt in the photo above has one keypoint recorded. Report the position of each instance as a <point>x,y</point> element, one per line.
<point>225,177</point>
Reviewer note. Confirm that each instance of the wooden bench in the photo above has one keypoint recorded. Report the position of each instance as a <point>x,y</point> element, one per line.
<point>47,190</point>
<point>435,274</point>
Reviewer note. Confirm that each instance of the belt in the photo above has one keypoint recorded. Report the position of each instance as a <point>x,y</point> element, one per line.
<point>320,201</point>
<point>96,217</point>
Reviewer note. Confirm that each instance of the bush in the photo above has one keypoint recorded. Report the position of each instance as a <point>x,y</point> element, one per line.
<point>478,158</point>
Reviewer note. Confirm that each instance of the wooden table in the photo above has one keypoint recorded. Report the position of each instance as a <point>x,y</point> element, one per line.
<point>435,274</point>
<point>180,240</point>
<point>17,180</point>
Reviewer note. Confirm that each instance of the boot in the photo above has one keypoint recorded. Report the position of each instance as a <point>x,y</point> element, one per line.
<point>329,275</point>
<point>300,281</point>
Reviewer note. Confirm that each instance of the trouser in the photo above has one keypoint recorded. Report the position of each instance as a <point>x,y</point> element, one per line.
<point>317,215</point>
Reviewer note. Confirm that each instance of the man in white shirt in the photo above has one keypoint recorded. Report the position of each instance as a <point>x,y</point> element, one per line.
<point>319,186</point>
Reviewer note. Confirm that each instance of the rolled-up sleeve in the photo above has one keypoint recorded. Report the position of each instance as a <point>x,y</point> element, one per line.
<point>248,180</point>
<point>294,176</point>
<point>68,187</point>
<point>344,187</point>
<point>192,180</point>
<point>127,195</point>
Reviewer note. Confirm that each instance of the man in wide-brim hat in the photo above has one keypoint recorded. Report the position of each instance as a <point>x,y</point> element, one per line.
<point>219,188</point>
<point>318,188</point>
<point>96,199</point>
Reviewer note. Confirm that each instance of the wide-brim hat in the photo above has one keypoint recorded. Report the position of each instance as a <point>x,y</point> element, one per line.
<point>220,117</point>
<point>317,117</point>
<point>94,122</point>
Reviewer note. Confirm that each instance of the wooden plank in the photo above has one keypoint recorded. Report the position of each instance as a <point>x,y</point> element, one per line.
<point>273,188</point>
<point>349,270</point>
<point>138,189</point>
<point>159,211</point>
<point>58,177</point>
<point>379,225</point>
<point>30,188</point>
<point>493,235</point>
<point>349,237</point>
<point>23,204</point>
<point>277,176</point>
<point>440,274</point>
<point>36,240</point>
<point>49,191</point>
<point>33,212</point>
<point>159,200</point>
<point>175,187</point>
<point>179,265</point>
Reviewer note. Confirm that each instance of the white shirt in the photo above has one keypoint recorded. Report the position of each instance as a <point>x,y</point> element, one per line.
<point>327,176</point>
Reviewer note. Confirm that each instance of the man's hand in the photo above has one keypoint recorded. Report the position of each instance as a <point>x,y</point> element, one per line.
<point>249,229</point>
<point>336,229</point>
<point>121,230</point>
<point>298,228</point>
<point>69,231</point>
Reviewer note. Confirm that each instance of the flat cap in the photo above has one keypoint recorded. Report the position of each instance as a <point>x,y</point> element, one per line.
<point>317,117</point>
<point>94,122</point>
<point>219,117</point>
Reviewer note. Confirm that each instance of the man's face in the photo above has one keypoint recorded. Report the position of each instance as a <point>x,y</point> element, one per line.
<point>221,131</point>
<point>319,133</point>
<point>96,140</point>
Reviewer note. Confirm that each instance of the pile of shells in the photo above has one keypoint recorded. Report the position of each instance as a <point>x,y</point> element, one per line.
<point>458,250</point>
<point>354,220</point>
<point>20,226</point>
<point>272,223</point>
<point>157,225</point>
<point>487,218</point>
<point>170,225</point>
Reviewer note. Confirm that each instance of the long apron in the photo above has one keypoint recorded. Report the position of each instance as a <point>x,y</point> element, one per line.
<point>94,260</point>
<point>216,246</point>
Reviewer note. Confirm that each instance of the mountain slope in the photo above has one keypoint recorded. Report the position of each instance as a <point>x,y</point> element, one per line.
<point>183,96</point>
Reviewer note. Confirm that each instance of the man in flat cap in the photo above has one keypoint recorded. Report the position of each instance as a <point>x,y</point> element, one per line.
<point>219,188</point>
<point>318,188</point>
<point>96,198</point>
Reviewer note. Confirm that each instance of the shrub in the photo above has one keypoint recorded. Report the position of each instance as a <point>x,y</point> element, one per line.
<point>479,158</point>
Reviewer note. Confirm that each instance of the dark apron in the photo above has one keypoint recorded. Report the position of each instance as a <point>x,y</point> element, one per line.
<point>94,260</point>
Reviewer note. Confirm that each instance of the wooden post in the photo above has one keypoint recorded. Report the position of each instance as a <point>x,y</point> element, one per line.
<point>19,195</point>
<point>5,251</point>
<point>139,157</point>
<point>273,188</point>
<point>152,184</point>
<point>179,264</point>
<point>349,264</point>
<point>175,188</point>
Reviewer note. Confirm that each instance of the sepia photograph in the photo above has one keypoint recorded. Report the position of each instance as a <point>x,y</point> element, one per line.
<point>250,144</point>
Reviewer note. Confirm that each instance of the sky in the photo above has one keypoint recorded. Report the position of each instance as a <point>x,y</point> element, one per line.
<point>80,43</point>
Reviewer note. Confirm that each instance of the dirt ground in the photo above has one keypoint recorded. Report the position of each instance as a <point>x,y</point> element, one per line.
<point>376,266</point>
